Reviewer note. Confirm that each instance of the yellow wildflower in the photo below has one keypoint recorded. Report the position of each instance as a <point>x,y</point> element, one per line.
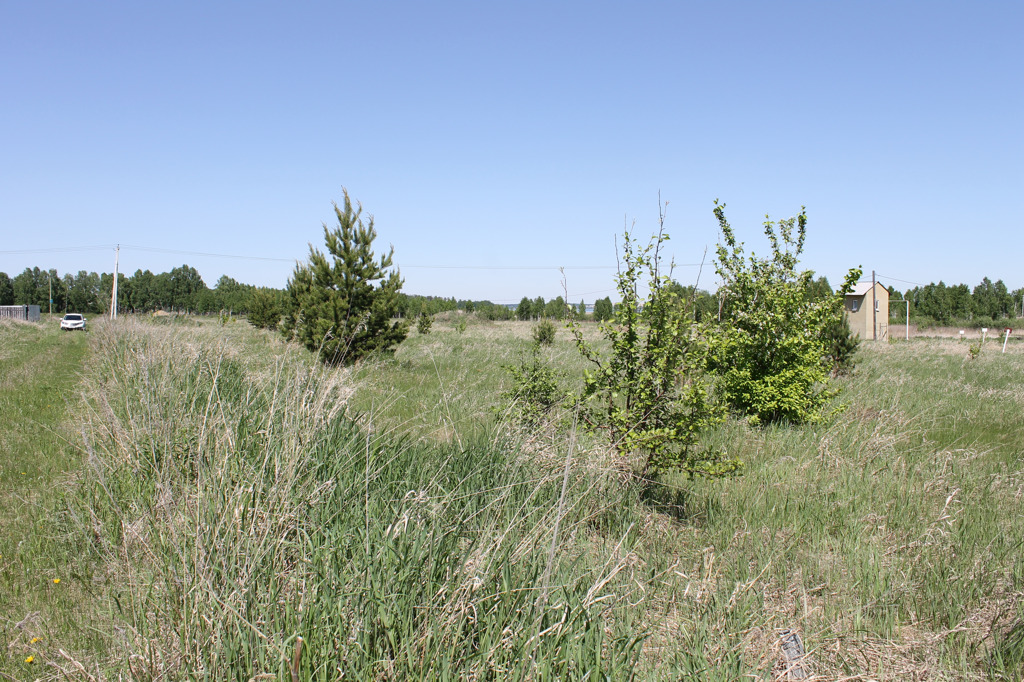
<point>34,640</point>
<point>56,581</point>
<point>30,659</point>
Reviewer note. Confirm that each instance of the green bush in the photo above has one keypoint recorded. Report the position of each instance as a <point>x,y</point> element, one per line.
<point>544,333</point>
<point>650,393</point>
<point>534,392</point>
<point>774,356</point>
<point>423,323</point>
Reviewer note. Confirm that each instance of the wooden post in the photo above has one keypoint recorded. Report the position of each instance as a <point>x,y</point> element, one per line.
<point>296,659</point>
<point>874,309</point>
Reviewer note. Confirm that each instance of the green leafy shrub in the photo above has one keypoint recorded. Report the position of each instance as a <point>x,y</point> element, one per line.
<point>651,393</point>
<point>774,355</point>
<point>460,325</point>
<point>534,391</point>
<point>423,323</point>
<point>544,333</point>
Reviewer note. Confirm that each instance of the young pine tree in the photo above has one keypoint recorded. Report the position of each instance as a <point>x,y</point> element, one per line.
<point>341,304</point>
<point>264,309</point>
<point>524,310</point>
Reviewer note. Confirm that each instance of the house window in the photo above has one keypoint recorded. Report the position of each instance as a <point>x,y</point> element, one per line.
<point>855,305</point>
<point>878,305</point>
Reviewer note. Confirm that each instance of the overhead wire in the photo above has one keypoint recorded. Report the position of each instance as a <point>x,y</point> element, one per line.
<point>418,266</point>
<point>917,284</point>
<point>57,249</point>
<point>181,252</point>
<point>507,267</point>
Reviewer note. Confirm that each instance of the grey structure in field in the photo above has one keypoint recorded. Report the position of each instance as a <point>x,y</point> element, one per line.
<point>28,313</point>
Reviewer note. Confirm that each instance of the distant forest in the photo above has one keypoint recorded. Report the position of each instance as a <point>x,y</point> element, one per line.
<point>182,290</point>
<point>957,303</point>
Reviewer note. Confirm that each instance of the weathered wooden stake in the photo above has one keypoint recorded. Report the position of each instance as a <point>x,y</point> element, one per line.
<point>296,658</point>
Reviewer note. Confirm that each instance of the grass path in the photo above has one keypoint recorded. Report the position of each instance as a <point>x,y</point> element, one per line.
<point>40,370</point>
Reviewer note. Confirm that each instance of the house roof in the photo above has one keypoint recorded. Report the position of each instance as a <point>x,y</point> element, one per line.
<point>860,289</point>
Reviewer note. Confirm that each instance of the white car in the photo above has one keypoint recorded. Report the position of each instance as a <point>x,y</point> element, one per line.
<point>72,321</point>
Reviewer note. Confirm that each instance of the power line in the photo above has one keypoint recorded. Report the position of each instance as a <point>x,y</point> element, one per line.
<point>417,266</point>
<point>507,267</point>
<point>179,252</point>
<point>917,284</point>
<point>60,249</point>
<point>524,267</point>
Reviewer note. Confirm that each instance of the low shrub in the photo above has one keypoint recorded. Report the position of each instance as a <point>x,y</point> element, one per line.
<point>544,333</point>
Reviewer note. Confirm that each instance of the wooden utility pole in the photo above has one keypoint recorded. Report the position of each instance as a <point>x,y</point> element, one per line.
<point>874,309</point>
<point>113,295</point>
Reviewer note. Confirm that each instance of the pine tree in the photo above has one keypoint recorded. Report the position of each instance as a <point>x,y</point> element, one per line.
<point>342,304</point>
<point>264,309</point>
<point>538,307</point>
<point>524,310</point>
<point>555,309</point>
<point>603,309</point>
<point>424,322</point>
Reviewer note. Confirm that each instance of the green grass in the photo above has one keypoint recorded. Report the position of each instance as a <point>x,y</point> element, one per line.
<point>40,371</point>
<point>238,496</point>
<point>891,538</point>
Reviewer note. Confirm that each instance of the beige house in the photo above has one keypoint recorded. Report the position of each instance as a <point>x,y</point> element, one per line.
<point>867,310</point>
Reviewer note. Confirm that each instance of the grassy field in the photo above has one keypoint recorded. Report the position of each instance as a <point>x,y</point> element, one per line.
<point>40,393</point>
<point>207,495</point>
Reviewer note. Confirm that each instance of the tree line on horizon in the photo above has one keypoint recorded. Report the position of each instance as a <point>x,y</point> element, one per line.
<point>946,304</point>
<point>182,290</point>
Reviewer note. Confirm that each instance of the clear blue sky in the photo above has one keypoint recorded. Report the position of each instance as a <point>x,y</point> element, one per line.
<point>512,134</point>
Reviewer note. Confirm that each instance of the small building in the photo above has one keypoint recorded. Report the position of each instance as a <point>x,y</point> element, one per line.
<point>867,310</point>
<point>27,313</point>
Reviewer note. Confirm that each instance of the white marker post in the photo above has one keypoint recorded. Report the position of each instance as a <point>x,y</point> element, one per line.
<point>1008,332</point>
<point>984,333</point>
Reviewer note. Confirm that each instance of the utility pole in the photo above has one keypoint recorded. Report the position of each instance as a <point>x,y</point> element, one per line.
<point>874,309</point>
<point>113,296</point>
<point>49,278</point>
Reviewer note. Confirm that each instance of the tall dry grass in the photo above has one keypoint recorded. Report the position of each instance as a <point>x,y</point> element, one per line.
<point>237,508</point>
